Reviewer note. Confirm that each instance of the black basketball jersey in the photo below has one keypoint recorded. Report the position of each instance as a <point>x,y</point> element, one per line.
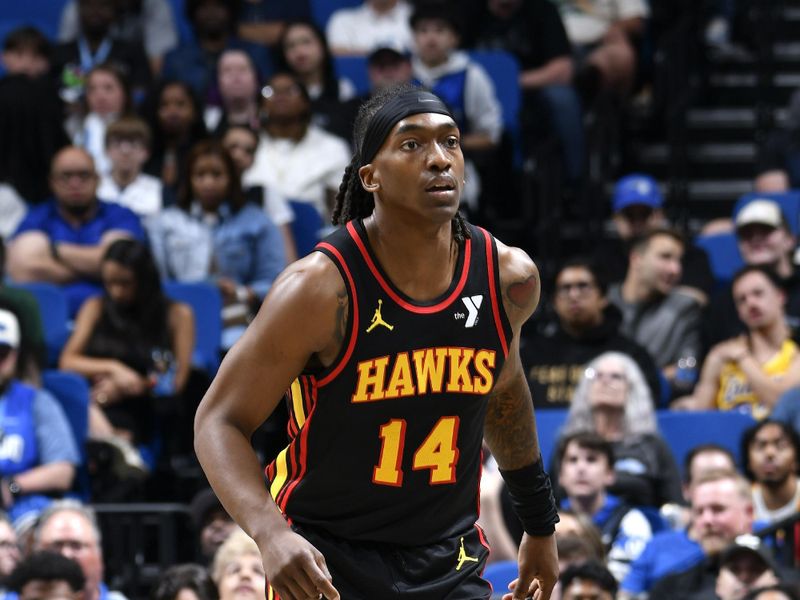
<point>387,440</point>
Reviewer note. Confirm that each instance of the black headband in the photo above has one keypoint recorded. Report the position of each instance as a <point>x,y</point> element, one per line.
<point>398,108</point>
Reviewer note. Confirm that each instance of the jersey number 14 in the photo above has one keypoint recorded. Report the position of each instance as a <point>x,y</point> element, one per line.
<point>438,453</point>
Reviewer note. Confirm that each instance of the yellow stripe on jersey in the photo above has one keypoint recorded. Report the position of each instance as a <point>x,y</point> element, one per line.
<point>281,473</point>
<point>297,403</point>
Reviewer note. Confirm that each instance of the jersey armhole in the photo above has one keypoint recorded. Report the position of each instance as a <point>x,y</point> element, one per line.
<point>329,373</point>
<point>502,324</point>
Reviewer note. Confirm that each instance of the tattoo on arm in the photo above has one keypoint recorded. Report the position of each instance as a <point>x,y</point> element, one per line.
<point>510,428</point>
<point>521,292</point>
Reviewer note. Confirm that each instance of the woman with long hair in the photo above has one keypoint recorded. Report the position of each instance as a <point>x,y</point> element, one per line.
<point>613,400</point>
<point>132,343</point>
<point>213,234</point>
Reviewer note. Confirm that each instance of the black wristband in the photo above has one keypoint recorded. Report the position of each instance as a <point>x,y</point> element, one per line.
<point>532,497</point>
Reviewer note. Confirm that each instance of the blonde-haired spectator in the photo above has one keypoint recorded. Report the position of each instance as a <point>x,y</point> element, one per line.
<point>237,569</point>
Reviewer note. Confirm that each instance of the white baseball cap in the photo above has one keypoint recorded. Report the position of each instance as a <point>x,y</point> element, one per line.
<point>9,329</point>
<point>762,211</point>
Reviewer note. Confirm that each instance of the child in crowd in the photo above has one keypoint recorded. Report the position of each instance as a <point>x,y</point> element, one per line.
<point>128,147</point>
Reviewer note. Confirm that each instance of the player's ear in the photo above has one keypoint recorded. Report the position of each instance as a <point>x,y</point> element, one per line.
<point>370,180</point>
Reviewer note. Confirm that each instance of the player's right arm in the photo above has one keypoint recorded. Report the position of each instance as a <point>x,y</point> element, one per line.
<point>303,316</point>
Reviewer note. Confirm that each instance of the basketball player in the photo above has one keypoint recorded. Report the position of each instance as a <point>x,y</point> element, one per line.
<point>398,340</point>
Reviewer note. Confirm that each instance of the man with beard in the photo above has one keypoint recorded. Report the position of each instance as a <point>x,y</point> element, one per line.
<point>654,313</point>
<point>587,326</point>
<point>722,509</point>
<point>62,241</point>
<point>771,451</point>
<point>764,238</point>
<point>750,372</point>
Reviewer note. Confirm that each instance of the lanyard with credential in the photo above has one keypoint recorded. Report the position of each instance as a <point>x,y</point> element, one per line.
<point>87,60</point>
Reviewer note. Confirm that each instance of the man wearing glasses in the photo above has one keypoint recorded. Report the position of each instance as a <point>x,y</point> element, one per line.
<point>587,325</point>
<point>63,240</point>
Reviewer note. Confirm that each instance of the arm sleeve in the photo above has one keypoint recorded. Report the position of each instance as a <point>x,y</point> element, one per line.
<point>636,581</point>
<point>482,106</point>
<point>155,235</point>
<point>338,31</point>
<point>688,332</point>
<point>53,434</point>
<point>270,259</point>
<point>32,221</point>
<point>68,26</point>
<point>160,33</point>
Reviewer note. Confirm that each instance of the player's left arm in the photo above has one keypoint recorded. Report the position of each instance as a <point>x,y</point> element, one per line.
<point>510,428</point>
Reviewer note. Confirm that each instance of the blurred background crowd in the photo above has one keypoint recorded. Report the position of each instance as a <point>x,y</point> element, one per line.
<point>161,161</point>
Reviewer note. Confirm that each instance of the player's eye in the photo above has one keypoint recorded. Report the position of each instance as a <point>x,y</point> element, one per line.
<point>410,145</point>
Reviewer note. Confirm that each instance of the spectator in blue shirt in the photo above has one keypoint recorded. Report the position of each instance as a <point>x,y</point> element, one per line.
<point>38,453</point>
<point>62,241</point>
<point>214,234</point>
<point>195,62</point>
<point>675,550</point>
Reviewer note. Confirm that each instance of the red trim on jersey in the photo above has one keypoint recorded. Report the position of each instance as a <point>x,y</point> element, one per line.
<point>422,310</point>
<point>353,307</point>
<point>493,292</point>
<point>302,459</point>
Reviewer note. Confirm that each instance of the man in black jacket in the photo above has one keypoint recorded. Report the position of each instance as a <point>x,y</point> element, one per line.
<point>587,326</point>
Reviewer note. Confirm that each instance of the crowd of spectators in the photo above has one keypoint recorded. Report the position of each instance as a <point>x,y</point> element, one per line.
<point>143,148</point>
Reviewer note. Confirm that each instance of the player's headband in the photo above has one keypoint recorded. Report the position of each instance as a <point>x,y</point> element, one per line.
<point>403,105</point>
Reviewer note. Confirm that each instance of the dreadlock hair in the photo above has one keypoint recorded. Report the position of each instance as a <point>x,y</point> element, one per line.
<point>352,200</point>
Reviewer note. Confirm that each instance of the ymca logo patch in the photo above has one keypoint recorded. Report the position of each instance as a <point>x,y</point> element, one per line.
<point>473,303</point>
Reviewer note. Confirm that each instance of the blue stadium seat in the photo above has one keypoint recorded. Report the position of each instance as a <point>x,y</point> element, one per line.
<point>72,392</point>
<point>549,422</point>
<point>789,201</point>
<point>723,255</point>
<point>503,68</point>
<point>45,15</point>
<point>500,574</point>
<point>206,303</point>
<point>353,68</point>
<point>685,430</point>
<point>321,10</point>
<point>54,311</point>
<point>306,226</point>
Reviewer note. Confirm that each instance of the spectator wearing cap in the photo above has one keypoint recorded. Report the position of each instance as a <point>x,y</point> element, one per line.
<point>764,238</point>
<point>745,565</point>
<point>374,24</point>
<point>461,83</point>
<point>212,523</point>
<point>638,207</point>
<point>654,312</point>
<point>387,66</point>
<point>38,453</point>
<point>750,372</point>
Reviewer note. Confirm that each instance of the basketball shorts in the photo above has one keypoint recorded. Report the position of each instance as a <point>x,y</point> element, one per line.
<point>447,570</point>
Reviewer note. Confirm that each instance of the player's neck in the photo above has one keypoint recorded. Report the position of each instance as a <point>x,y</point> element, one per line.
<point>419,260</point>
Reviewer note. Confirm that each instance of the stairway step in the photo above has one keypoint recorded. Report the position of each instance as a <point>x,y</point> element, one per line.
<point>719,190</point>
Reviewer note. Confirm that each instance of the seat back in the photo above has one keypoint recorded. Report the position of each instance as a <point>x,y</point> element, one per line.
<point>500,574</point>
<point>72,392</point>
<point>206,303</point>
<point>503,68</point>
<point>54,312</point>
<point>723,256</point>
<point>306,226</point>
<point>549,422</point>
<point>683,431</point>
<point>353,68</point>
